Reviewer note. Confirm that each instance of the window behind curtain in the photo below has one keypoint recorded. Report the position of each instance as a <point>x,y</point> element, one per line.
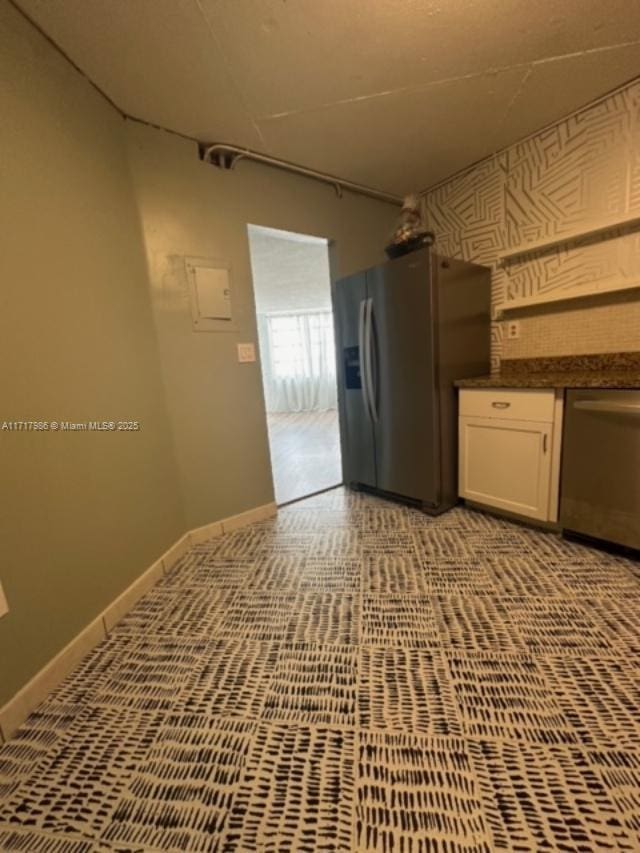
<point>300,368</point>
<point>302,345</point>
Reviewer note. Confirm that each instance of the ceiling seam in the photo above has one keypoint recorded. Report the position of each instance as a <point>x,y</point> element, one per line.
<point>589,105</point>
<point>588,52</point>
<point>388,92</point>
<point>419,87</point>
<point>232,77</point>
<point>514,98</point>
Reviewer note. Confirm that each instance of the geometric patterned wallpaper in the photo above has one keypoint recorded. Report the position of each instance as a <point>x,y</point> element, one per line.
<point>582,170</point>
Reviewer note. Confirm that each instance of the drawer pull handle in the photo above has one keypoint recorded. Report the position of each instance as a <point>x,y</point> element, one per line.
<point>544,443</point>
<point>500,405</point>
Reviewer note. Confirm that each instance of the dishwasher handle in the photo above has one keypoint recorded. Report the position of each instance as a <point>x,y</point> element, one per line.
<point>606,407</point>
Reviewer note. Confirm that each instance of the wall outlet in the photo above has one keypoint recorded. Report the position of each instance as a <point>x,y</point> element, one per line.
<point>4,607</point>
<point>513,330</point>
<point>246,353</point>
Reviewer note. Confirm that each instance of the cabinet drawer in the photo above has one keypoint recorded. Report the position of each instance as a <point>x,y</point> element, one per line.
<point>508,403</point>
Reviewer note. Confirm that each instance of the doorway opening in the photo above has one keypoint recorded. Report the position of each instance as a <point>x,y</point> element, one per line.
<point>292,286</point>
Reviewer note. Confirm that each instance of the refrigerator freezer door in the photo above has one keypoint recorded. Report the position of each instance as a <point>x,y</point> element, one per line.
<point>350,306</point>
<point>406,431</point>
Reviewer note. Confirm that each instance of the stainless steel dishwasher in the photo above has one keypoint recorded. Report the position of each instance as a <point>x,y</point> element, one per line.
<point>600,486</point>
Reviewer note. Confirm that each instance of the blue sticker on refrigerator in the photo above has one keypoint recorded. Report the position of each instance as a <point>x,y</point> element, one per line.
<point>352,377</point>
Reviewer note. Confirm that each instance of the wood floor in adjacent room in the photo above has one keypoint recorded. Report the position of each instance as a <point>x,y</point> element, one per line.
<point>350,676</point>
<point>305,453</point>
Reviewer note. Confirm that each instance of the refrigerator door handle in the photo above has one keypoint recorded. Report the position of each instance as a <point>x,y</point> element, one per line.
<point>362,355</point>
<point>368,332</point>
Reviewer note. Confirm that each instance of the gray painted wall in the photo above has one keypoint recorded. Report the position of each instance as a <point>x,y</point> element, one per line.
<point>89,331</point>
<point>188,207</point>
<point>83,513</point>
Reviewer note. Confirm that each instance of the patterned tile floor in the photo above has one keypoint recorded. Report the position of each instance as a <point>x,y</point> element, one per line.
<point>351,676</point>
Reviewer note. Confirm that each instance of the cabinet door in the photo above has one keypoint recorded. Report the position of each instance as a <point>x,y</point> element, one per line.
<point>506,464</point>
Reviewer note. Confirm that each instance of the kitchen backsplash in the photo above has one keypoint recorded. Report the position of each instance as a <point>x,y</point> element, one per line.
<point>569,177</point>
<point>601,324</point>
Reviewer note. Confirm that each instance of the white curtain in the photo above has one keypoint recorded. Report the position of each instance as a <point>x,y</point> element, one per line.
<point>299,361</point>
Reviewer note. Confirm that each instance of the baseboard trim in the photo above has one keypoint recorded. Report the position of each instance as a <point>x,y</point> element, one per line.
<point>27,699</point>
<point>260,513</point>
<point>121,605</point>
<point>207,531</point>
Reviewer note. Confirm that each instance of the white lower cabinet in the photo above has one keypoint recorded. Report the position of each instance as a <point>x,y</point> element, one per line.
<point>510,450</point>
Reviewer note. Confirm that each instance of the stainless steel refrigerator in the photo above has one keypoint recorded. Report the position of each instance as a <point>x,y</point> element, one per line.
<point>405,331</point>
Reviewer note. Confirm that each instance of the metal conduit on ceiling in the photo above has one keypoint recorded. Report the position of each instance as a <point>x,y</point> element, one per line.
<point>226,156</point>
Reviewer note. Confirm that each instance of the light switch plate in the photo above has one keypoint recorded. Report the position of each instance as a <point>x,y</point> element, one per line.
<point>513,329</point>
<point>4,607</point>
<point>246,353</point>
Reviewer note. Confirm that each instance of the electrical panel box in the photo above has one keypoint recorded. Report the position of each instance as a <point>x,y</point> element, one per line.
<point>210,294</point>
<point>213,291</point>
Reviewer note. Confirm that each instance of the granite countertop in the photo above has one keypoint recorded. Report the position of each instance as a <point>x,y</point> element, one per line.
<point>601,370</point>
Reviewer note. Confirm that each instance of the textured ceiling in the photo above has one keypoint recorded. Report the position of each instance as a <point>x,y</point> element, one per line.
<point>396,94</point>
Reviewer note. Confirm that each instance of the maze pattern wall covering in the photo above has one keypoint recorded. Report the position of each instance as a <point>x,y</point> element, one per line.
<point>583,170</point>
